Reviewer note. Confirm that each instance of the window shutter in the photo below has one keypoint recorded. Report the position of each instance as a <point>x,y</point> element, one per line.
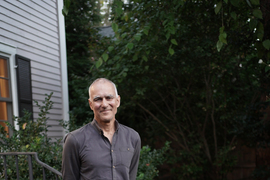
<point>24,85</point>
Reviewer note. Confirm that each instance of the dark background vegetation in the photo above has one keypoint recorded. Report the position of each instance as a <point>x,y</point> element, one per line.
<point>195,73</point>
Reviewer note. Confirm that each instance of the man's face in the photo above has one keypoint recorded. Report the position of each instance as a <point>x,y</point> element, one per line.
<point>103,101</point>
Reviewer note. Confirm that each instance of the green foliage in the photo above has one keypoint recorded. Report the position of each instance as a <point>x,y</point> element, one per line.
<point>150,160</point>
<point>189,72</point>
<point>82,16</point>
<point>31,137</point>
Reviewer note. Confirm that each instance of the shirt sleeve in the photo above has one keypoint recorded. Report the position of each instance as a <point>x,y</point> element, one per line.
<point>135,160</point>
<point>70,159</point>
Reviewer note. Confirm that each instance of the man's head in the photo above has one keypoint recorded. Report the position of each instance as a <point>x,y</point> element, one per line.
<point>103,100</point>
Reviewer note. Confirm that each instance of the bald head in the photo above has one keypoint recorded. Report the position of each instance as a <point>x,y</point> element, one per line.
<point>102,80</point>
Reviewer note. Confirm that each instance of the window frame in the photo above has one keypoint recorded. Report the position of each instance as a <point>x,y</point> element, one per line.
<point>9,51</point>
<point>7,100</point>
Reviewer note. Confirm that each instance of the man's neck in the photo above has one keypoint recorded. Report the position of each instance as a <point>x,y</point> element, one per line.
<point>108,128</point>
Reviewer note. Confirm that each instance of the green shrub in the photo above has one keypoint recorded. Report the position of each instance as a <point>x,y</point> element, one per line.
<point>150,160</point>
<point>31,137</point>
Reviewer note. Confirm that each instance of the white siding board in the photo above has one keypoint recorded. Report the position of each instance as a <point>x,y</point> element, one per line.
<point>28,22</point>
<point>50,3</point>
<point>41,91</point>
<point>44,62</point>
<point>57,135</point>
<point>46,6</point>
<point>42,97</point>
<point>42,35</point>
<point>46,74</point>
<point>23,43</point>
<point>45,67</point>
<point>26,17</point>
<point>46,87</point>
<point>35,11</point>
<point>55,105</point>
<point>53,122</point>
<point>50,116</point>
<point>52,111</point>
<point>55,128</point>
<point>26,37</point>
<point>45,80</point>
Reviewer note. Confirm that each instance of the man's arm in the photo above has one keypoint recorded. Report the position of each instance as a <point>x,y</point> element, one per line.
<point>70,159</point>
<point>135,160</point>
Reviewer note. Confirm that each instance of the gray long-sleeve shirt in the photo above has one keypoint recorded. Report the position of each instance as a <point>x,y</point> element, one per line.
<point>88,154</point>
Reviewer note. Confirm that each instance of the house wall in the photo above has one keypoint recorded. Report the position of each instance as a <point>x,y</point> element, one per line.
<point>32,27</point>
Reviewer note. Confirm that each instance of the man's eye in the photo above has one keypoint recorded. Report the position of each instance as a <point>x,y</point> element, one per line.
<point>97,99</point>
<point>109,98</point>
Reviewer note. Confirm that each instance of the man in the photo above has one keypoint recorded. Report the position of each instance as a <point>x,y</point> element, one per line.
<point>103,149</point>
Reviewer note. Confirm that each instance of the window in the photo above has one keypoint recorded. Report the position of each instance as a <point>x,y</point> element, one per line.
<point>15,85</point>
<point>5,93</point>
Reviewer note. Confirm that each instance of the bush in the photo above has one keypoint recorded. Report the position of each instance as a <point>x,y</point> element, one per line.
<point>150,160</point>
<point>31,137</point>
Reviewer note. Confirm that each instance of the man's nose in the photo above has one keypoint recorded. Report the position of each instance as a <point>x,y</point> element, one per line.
<point>104,103</point>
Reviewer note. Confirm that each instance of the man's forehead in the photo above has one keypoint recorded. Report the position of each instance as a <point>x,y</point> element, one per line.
<point>102,88</point>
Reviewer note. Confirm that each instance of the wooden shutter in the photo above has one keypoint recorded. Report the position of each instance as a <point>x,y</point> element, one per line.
<point>24,85</point>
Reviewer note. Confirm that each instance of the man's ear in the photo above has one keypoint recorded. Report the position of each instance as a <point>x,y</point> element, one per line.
<point>118,100</point>
<point>90,104</point>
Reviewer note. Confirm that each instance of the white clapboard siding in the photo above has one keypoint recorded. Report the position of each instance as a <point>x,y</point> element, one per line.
<point>53,122</point>
<point>35,11</point>
<point>24,16</point>
<point>32,27</point>
<point>22,37</point>
<point>47,74</point>
<point>44,45</point>
<point>45,67</point>
<point>39,34</point>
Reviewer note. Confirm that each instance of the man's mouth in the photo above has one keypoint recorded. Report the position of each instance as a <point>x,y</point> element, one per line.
<point>107,110</point>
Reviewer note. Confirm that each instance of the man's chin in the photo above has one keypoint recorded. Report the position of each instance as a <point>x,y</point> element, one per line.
<point>106,120</point>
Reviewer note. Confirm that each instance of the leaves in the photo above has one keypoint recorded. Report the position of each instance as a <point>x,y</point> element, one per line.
<point>114,27</point>
<point>66,7</point>
<point>255,2</point>
<point>105,56</point>
<point>99,63</point>
<point>257,13</point>
<point>130,46</point>
<point>31,137</point>
<point>235,2</point>
<point>222,37</point>
<point>171,51</point>
<point>138,36</point>
<point>267,68</point>
<point>110,48</point>
<point>219,45</point>
<point>218,7</point>
<point>233,15</point>
<point>260,31</point>
<point>253,24</point>
<point>266,44</point>
<point>173,41</point>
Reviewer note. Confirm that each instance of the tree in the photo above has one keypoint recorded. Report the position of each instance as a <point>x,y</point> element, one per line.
<point>81,17</point>
<point>189,71</point>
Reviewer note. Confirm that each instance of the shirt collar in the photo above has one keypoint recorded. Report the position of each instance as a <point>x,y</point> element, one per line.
<point>95,124</point>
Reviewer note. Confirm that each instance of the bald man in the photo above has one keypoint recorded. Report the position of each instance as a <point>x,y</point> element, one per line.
<point>103,149</point>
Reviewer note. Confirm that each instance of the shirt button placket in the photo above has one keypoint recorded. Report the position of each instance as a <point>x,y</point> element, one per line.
<point>114,160</point>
